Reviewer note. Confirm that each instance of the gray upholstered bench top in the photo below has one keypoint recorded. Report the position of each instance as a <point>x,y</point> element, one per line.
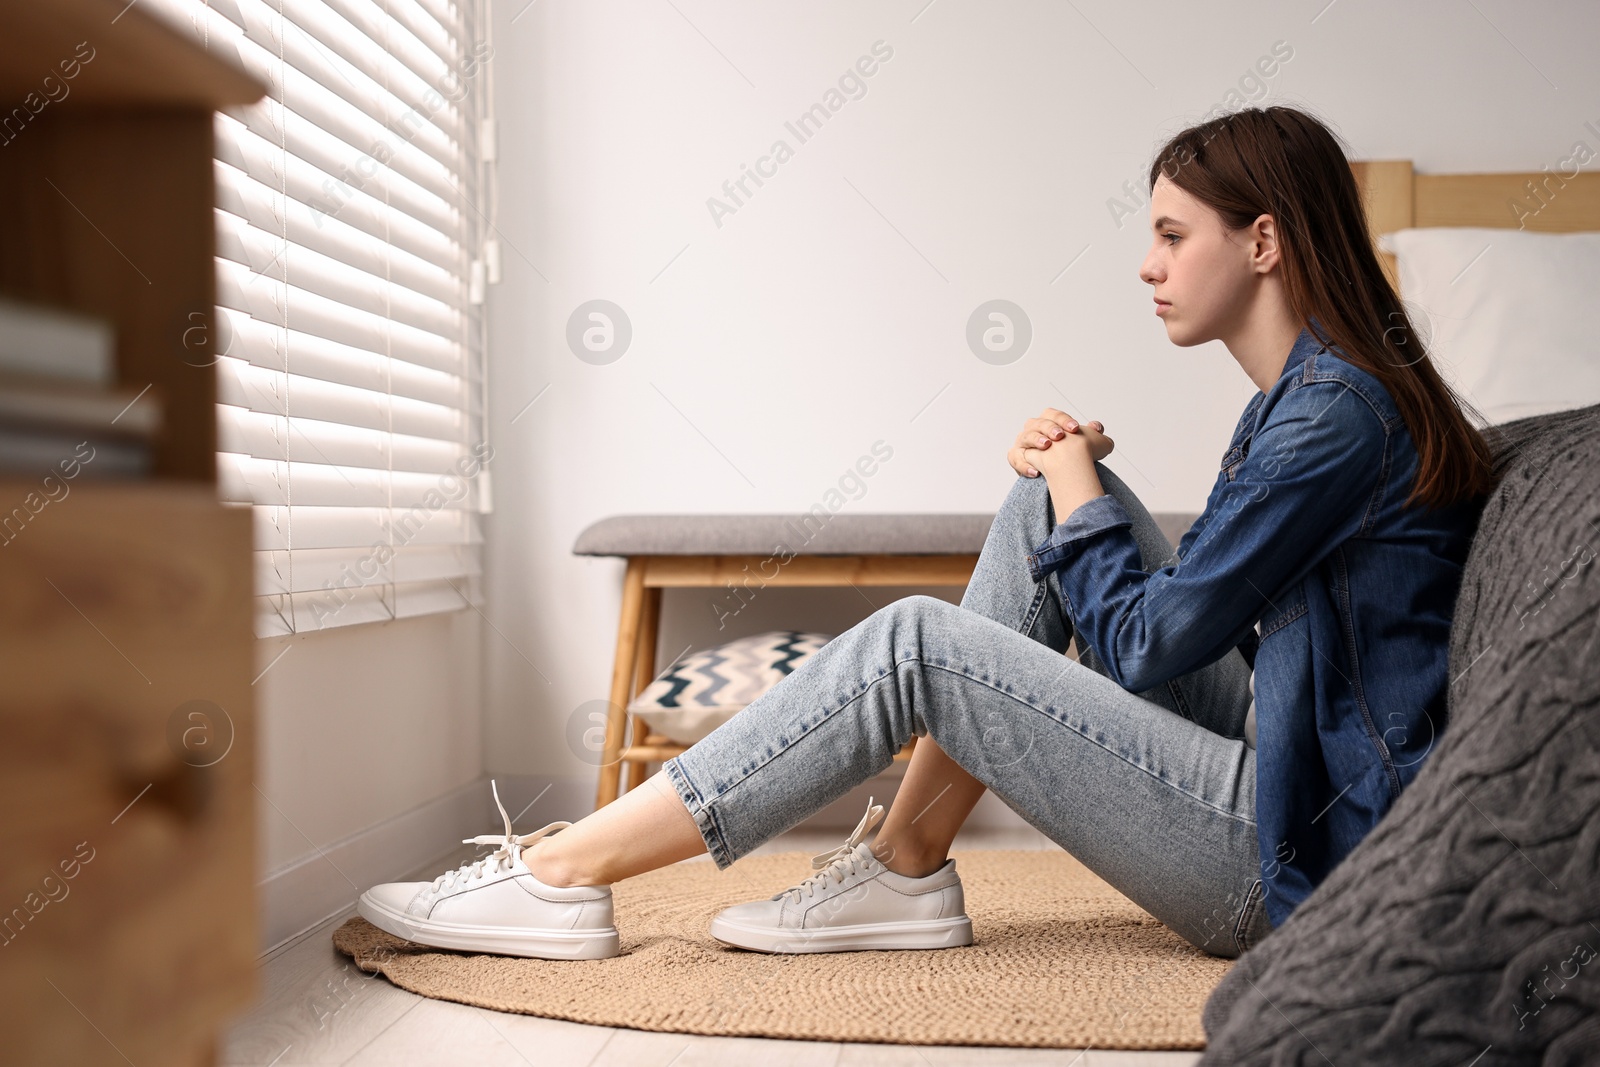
<point>804,535</point>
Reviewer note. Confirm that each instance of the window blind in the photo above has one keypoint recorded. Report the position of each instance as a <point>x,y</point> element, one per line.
<point>349,334</point>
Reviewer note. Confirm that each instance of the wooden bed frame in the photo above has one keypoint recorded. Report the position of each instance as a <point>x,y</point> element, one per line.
<point>1397,197</point>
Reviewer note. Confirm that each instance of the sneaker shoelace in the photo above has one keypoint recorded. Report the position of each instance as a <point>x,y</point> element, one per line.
<point>511,846</point>
<point>836,863</point>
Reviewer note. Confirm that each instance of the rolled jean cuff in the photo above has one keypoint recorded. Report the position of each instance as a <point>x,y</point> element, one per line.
<point>716,846</point>
<point>1093,516</point>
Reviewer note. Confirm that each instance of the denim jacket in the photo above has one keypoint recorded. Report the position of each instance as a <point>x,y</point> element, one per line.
<point>1304,533</point>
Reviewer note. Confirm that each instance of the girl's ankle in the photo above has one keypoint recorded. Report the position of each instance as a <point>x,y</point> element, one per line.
<point>906,862</point>
<point>549,868</point>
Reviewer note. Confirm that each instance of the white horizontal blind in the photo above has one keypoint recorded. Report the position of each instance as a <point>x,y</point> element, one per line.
<point>351,376</point>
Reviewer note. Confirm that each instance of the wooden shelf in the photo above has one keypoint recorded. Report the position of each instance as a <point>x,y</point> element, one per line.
<point>110,192</point>
<point>129,603</point>
<point>139,61</point>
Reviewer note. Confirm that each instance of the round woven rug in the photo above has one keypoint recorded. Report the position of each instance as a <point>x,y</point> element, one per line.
<point>1059,959</point>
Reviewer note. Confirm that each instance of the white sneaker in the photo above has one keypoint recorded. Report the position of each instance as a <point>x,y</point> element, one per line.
<point>495,904</point>
<point>853,902</point>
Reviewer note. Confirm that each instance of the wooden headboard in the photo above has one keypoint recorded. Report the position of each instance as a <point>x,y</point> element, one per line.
<point>1549,200</point>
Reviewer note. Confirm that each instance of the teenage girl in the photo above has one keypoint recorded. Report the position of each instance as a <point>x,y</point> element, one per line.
<point>1322,573</point>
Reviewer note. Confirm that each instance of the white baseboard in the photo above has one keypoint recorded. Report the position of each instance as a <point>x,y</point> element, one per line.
<point>311,890</point>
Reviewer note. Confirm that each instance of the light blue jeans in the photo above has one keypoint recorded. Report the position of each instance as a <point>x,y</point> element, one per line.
<point>1153,791</point>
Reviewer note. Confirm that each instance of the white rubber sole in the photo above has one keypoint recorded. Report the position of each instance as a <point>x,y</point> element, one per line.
<point>497,940</point>
<point>911,933</point>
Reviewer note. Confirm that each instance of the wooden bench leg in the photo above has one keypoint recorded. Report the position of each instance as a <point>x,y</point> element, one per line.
<point>622,673</point>
<point>643,674</point>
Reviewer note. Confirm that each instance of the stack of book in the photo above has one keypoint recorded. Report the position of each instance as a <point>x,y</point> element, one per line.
<point>62,411</point>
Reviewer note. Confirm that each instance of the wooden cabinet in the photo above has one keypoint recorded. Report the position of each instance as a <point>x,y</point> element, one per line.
<point>128,927</point>
<point>126,771</point>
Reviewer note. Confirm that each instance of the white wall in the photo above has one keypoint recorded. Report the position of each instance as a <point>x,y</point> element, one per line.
<point>369,747</point>
<point>829,311</point>
<point>361,723</point>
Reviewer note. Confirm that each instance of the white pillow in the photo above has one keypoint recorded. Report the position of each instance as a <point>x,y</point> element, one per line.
<point>1508,313</point>
<point>705,690</point>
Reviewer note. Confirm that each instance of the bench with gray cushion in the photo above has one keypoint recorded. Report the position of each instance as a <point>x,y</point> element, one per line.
<point>844,534</point>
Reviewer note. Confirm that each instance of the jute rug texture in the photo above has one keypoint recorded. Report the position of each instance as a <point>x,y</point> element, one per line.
<point>1059,960</point>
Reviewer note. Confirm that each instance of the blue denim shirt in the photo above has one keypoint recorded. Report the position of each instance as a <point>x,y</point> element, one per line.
<point>1304,533</point>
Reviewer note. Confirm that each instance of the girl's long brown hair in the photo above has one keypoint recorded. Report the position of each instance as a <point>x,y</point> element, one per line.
<point>1282,162</point>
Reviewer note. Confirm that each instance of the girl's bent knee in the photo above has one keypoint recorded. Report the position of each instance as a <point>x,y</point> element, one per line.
<point>915,609</point>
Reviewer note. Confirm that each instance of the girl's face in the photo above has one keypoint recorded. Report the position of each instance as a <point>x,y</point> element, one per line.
<point>1204,277</point>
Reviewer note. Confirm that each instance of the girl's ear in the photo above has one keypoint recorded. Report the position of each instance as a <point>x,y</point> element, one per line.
<point>1264,234</point>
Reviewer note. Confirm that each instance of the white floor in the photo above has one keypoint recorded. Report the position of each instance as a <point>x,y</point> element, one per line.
<point>318,1008</point>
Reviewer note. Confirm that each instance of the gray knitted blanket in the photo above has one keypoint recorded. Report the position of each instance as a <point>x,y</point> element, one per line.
<point>1465,928</point>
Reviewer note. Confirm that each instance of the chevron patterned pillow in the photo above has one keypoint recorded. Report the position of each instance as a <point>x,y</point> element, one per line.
<point>704,690</point>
